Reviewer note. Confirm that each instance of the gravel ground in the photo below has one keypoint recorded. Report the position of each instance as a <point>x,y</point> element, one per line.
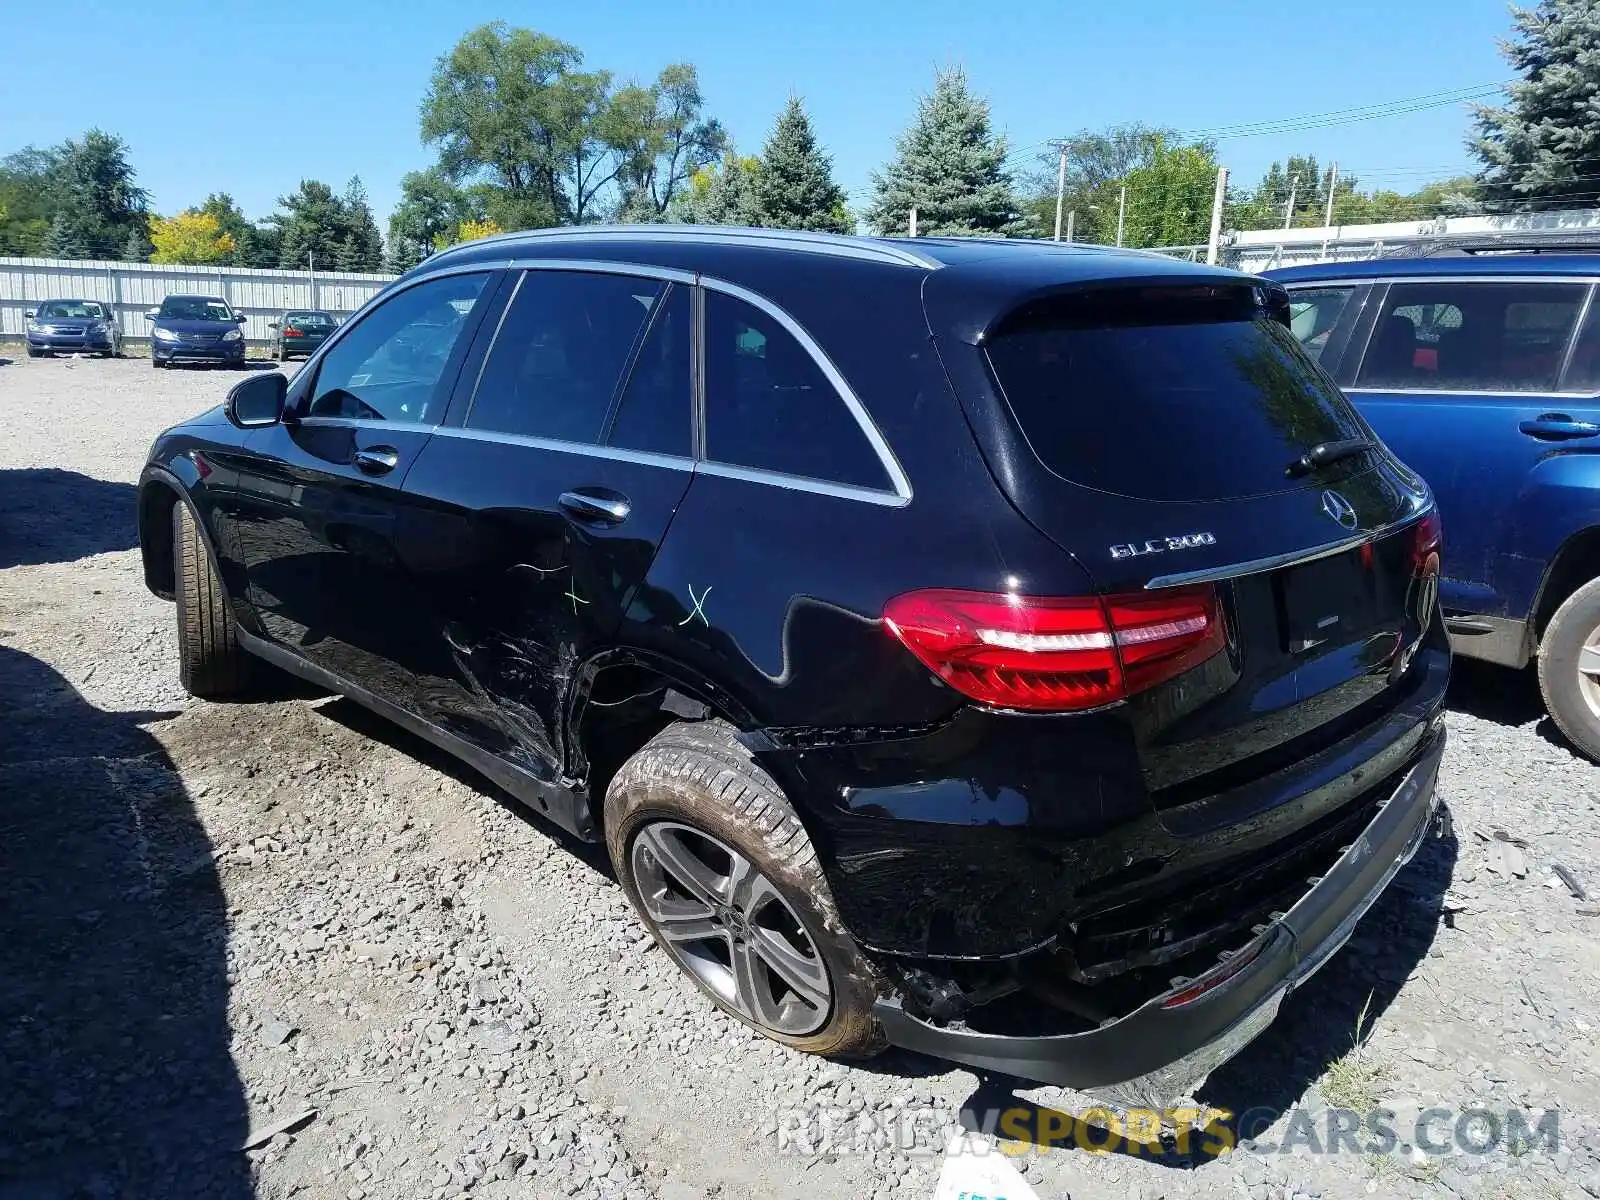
<point>289,926</point>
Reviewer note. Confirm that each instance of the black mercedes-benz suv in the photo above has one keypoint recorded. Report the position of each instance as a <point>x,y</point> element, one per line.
<point>938,633</point>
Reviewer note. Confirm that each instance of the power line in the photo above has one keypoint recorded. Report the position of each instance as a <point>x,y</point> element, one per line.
<point>1345,116</point>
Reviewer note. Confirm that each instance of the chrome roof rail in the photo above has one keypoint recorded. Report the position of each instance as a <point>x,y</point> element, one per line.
<point>838,245</point>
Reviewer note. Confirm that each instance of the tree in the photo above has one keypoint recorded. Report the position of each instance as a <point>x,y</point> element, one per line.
<point>25,185</point>
<point>252,246</point>
<point>137,248</point>
<point>430,208</point>
<point>361,246</point>
<point>795,187</point>
<point>94,196</point>
<point>950,167</point>
<point>722,195</point>
<point>65,240</point>
<point>191,236</point>
<point>1097,165</point>
<point>663,138</point>
<point>471,230</point>
<point>1543,149</point>
<point>311,226</point>
<point>1170,196</point>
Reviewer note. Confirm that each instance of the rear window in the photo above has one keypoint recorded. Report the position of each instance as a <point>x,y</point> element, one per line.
<point>1190,393</point>
<point>311,320</point>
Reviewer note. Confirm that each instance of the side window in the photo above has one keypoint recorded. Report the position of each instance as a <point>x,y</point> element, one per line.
<point>770,407</point>
<point>1583,372</point>
<point>1313,313</point>
<point>390,367</point>
<point>1471,337</point>
<point>656,411</point>
<point>559,354</point>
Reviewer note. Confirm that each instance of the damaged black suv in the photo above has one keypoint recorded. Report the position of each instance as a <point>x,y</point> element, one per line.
<point>937,633</point>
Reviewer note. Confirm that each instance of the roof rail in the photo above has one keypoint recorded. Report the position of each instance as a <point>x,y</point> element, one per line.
<point>839,245</point>
<point>1544,241</point>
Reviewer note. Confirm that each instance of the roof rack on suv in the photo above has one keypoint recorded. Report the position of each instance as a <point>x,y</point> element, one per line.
<point>1585,241</point>
<point>841,245</point>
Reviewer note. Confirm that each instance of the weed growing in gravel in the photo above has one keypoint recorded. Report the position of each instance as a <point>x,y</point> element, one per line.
<point>1352,1081</point>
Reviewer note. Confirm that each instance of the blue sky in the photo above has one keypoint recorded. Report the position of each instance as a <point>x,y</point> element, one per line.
<point>250,97</point>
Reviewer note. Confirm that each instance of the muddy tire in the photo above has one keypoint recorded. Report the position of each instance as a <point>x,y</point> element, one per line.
<point>694,792</point>
<point>211,662</point>
<point>1569,669</point>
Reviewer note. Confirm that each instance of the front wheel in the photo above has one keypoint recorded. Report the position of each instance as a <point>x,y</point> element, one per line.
<point>1569,668</point>
<point>713,858</point>
<point>211,662</point>
<point>34,352</point>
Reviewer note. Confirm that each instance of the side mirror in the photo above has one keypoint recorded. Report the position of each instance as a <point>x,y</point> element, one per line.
<point>272,324</point>
<point>257,401</point>
<point>31,313</point>
<point>150,314</point>
<point>239,318</point>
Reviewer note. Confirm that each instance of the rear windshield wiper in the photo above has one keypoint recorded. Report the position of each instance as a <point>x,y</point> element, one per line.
<point>1325,454</point>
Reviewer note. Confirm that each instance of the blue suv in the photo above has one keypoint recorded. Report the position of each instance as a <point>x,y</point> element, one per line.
<point>1482,372</point>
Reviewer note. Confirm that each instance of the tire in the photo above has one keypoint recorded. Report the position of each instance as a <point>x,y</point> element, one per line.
<point>211,662</point>
<point>1572,698</point>
<point>155,364</point>
<point>694,779</point>
<point>33,353</point>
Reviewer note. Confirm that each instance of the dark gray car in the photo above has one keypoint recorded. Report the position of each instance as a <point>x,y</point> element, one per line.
<point>300,331</point>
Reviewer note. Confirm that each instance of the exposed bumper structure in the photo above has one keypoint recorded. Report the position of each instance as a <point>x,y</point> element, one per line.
<point>1165,1048</point>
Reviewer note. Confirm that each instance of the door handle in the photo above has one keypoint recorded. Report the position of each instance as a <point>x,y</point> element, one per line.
<point>600,508</point>
<point>1558,427</point>
<point>378,460</point>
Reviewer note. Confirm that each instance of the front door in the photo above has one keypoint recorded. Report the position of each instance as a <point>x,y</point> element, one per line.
<point>1472,384</point>
<point>531,519</point>
<point>314,515</point>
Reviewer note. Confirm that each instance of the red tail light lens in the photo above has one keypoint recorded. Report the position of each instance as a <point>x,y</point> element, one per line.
<point>1057,654</point>
<point>291,331</point>
<point>1427,542</point>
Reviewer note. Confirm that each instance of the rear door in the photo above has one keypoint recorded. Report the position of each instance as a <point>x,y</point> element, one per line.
<point>530,522</point>
<point>1469,382</point>
<point>314,515</point>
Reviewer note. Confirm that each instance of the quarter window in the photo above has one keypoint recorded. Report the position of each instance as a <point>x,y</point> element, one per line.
<point>1583,374</point>
<point>1313,314</point>
<point>560,352</point>
<point>656,411</point>
<point>770,407</point>
<point>391,365</point>
<point>1472,337</point>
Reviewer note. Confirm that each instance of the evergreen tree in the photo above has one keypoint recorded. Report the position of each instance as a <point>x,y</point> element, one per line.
<point>796,188</point>
<point>950,167</point>
<point>1543,148</point>
<point>95,196</point>
<point>64,240</point>
<point>311,227</point>
<point>726,195</point>
<point>361,247</point>
<point>138,247</point>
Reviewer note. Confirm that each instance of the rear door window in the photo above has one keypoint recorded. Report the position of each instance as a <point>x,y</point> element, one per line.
<point>1165,393</point>
<point>770,407</point>
<point>560,353</point>
<point>1449,336</point>
<point>1314,314</point>
<point>1583,371</point>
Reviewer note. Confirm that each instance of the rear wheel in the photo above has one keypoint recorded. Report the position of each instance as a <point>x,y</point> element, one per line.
<point>712,856</point>
<point>211,662</point>
<point>34,352</point>
<point>1569,668</point>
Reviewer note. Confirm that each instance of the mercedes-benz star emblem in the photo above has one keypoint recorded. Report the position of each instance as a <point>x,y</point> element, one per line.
<point>1340,509</point>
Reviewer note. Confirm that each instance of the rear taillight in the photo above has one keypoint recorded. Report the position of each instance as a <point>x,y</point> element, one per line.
<point>291,331</point>
<point>1427,544</point>
<point>1057,654</point>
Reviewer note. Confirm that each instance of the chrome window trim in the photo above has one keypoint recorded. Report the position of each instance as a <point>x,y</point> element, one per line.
<point>800,483</point>
<point>1292,558</point>
<point>368,423</point>
<point>1358,280</point>
<point>1501,394</point>
<point>901,484</point>
<point>601,266</point>
<point>646,458</point>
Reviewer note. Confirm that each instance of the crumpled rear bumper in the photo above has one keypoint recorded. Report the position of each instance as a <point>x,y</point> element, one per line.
<point>1165,1048</point>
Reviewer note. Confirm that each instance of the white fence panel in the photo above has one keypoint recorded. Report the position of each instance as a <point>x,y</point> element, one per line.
<point>132,288</point>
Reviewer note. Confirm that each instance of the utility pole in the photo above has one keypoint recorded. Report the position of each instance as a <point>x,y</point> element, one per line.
<point>913,222</point>
<point>1288,209</point>
<point>311,270</point>
<point>1327,223</point>
<point>1216,216</point>
<point>1072,224</point>
<point>1061,188</point>
<point>1122,211</point>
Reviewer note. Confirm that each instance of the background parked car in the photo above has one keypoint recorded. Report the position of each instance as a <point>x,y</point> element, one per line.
<point>300,331</point>
<point>195,329</point>
<point>1482,372</point>
<point>72,326</point>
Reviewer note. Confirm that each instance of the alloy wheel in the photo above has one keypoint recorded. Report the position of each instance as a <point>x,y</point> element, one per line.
<point>728,926</point>
<point>1589,672</point>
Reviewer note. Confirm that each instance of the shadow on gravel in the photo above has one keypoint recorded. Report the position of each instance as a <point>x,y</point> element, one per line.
<point>50,515</point>
<point>1317,1026</point>
<point>115,1073</point>
<point>1493,693</point>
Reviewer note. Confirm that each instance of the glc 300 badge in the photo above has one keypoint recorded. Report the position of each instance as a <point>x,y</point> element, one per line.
<point>1184,541</point>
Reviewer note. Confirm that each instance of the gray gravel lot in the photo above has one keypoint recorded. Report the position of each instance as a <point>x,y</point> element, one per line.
<point>289,925</point>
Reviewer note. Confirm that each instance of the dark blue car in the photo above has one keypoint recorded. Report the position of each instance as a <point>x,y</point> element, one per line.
<point>71,327</point>
<point>195,329</point>
<point>1482,372</point>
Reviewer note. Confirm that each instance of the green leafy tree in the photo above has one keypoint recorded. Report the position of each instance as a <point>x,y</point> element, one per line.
<point>795,187</point>
<point>949,166</point>
<point>663,137</point>
<point>1543,148</point>
<point>252,247</point>
<point>94,196</point>
<point>430,207</point>
<point>726,194</point>
<point>1170,196</point>
<point>361,245</point>
<point>1097,164</point>
<point>311,227</point>
<point>25,195</point>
